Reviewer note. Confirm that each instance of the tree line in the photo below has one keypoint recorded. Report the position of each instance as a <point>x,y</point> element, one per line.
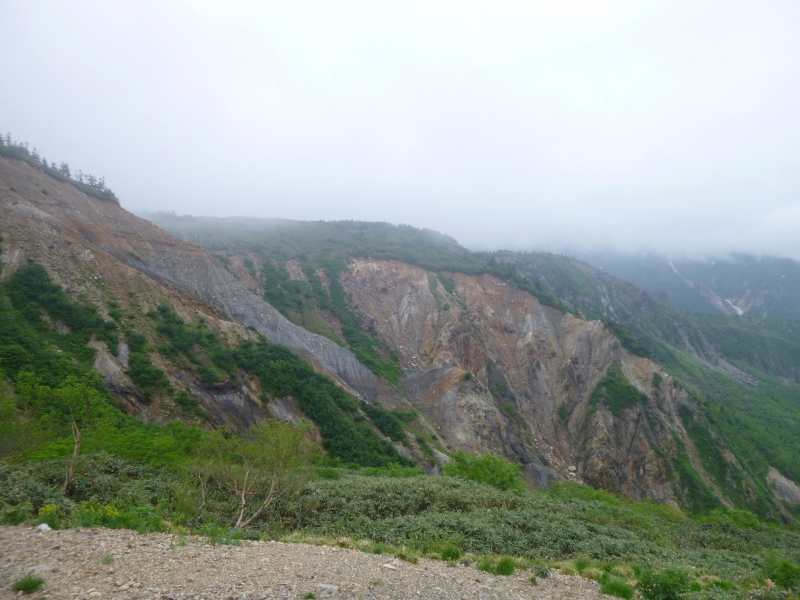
<point>86,183</point>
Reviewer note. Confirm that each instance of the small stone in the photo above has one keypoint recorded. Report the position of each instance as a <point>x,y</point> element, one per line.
<point>190,554</point>
<point>43,527</point>
<point>388,566</point>
<point>328,587</point>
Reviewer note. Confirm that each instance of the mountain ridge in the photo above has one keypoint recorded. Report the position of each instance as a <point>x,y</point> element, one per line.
<point>479,356</point>
<point>572,290</point>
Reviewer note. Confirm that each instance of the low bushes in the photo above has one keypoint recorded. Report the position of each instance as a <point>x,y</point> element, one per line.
<point>487,468</point>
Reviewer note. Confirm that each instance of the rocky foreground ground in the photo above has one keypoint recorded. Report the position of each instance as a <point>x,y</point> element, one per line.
<point>107,564</point>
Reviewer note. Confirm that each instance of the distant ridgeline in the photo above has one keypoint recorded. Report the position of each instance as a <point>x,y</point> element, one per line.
<point>88,184</point>
<point>329,244</point>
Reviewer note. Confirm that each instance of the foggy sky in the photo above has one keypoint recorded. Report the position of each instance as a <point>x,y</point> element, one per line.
<point>665,125</point>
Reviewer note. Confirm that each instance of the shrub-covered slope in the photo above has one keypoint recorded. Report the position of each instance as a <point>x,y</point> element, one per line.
<point>339,280</point>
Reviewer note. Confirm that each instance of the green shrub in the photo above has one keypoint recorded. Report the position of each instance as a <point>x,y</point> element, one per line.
<point>487,468</point>
<point>283,373</point>
<point>28,584</point>
<point>740,518</point>
<point>657,380</point>
<point>189,403</point>
<point>379,548</point>
<point>144,374</point>
<point>505,566</point>
<point>782,571</point>
<point>388,422</point>
<point>541,570</point>
<point>615,391</point>
<point>616,586</point>
<point>30,290</point>
<point>485,563</point>
<point>328,473</point>
<point>394,470</point>
<point>406,555</point>
<point>450,552</point>
<point>15,514</point>
<point>665,585</point>
<point>582,563</point>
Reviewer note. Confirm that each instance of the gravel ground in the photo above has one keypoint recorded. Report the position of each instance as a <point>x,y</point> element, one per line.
<point>107,564</point>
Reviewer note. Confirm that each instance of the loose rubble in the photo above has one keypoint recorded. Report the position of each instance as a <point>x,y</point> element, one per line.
<point>84,564</point>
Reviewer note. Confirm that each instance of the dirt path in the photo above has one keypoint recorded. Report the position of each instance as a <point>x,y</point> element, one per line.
<point>107,564</point>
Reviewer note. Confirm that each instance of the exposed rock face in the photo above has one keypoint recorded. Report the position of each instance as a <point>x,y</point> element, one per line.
<point>497,371</point>
<point>785,488</point>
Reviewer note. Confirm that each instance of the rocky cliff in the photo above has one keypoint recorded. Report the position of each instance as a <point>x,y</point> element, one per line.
<point>498,372</point>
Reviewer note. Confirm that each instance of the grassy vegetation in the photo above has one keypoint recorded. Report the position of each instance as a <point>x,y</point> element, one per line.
<point>616,392</point>
<point>32,294</point>
<point>33,350</point>
<point>429,515</point>
<point>28,584</point>
<point>282,373</point>
<point>628,340</point>
<point>604,537</point>
<point>488,469</point>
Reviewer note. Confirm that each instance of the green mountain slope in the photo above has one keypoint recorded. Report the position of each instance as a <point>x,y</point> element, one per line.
<point>739,284</point>
<point>744,371</point>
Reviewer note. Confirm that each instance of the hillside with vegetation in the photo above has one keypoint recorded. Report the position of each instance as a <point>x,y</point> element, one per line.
<point>72,458</point>
<point>736,284</point>
<point>743,371</point>
<point>146,385</point>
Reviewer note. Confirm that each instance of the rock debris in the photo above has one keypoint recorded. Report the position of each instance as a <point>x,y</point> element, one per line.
<point>124,565</point>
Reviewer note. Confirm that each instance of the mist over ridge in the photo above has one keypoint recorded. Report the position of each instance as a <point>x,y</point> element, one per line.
<point>670,127</point>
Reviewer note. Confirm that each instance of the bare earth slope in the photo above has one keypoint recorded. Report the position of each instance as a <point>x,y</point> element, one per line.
<point>97,247</point>
<point>105,563</point>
